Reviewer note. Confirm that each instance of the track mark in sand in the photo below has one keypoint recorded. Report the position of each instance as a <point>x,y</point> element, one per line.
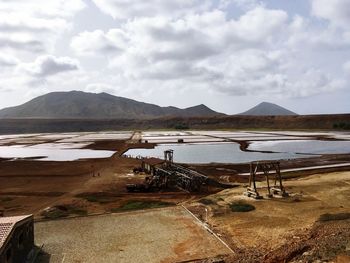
<point>208,229</point>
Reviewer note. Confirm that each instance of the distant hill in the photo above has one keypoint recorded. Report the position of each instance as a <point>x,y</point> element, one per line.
<point>268,109</point>
<point>78,104</point>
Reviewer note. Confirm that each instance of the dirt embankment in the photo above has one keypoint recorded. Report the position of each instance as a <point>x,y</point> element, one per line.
<point>323,242</point>
<point>120,146</point>
<point>328,122</point>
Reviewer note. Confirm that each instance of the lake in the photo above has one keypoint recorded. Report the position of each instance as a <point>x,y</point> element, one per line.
<point>211,153</point>
<point>303,146</point>
<point>51,153</point>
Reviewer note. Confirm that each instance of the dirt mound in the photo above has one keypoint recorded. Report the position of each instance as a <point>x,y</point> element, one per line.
<point>325,242</point>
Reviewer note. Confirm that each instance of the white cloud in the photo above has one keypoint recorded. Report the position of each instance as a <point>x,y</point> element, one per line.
<point>226,47</point>
<point>244,4</point>
<point>190,38</point>
<point>100,87</point>
<point>48,65</point>
<point>314,82</point>
<point>241,56</point>
<point>303,34</point>
<point>42,8</point>
<point>99,43</point>
<point>7,60</point>
<point>12,22</point>
<point>208,48</point>
<point>129,9</point>
<point>34,26</point>
<point>22,42</point>
<point>261,24</point>
<point>336,11</point>
<point>346,67</point>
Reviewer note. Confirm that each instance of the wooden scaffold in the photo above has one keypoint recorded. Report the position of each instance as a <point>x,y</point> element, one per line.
<point>267,169</point>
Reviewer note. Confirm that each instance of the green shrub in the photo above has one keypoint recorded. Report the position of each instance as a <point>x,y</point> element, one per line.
<point>181,126</point>
<point>54,214</point>
<point>341,126</point>
<point>61,211</point>
<point>241,206</point>
<point>98,198</point>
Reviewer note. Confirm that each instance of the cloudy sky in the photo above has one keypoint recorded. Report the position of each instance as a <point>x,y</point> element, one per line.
<point>227,54</point>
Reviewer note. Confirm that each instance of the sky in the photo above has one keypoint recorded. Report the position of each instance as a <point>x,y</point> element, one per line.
<point>227,54</point>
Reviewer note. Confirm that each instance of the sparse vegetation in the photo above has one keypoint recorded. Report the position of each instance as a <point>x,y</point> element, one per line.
<point>342,126</point>
<point>54,214</point>
<point>102,198</point>
<point>241,206</point>
<point>206,201</point>
<point>181,126</point>
<point>332,217</point>
<point>61,211</point>
<point>137,205</point>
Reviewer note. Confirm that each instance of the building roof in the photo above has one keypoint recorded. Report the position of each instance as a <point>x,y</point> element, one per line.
<point>7,224</point>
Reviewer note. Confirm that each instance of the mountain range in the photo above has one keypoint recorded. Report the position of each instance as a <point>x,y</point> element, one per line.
<point>83,105</point>
<point>78,104</point>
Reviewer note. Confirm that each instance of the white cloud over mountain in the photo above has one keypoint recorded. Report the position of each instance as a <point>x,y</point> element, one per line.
<point>231,47</point>
<point>49,65</point>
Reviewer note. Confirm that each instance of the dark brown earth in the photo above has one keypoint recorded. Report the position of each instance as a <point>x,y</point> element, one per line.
<point>298,122</point>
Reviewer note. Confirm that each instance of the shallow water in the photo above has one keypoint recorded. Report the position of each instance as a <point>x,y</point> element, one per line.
<point>303,146</point>
<point>51,153</point>
<point>210,153</point>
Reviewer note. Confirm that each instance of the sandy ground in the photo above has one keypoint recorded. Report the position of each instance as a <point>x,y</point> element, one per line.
<point>275,222</point>
<point>161,235</point>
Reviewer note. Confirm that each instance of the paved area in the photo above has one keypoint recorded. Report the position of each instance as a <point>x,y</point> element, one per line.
<point>161,235</point>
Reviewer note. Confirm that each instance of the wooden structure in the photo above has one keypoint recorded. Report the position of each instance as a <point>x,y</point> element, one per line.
<point>149,164</point>
<point>16,239</point>
<point>165,174</point>
<point>267,169</point>
<point>169,157</point>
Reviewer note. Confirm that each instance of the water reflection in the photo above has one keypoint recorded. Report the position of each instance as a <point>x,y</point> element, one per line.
<point>210,153</point>
<point>51,153</point>
<point>303,146</point>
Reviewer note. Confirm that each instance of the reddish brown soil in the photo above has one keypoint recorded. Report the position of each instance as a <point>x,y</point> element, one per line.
<point>277,231</point>
<point>96,186</point>
<point>325,241</point>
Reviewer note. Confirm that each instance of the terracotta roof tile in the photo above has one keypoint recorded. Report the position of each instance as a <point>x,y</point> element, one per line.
<point>7,224</point>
